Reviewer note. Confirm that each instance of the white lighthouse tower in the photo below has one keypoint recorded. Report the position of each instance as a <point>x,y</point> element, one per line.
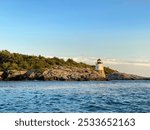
<point>100,68</point>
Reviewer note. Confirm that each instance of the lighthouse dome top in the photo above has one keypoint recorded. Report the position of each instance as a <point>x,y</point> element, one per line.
<point>99,61</point>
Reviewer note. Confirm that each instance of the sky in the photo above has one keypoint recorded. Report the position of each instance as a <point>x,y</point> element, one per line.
<point>117,31</point>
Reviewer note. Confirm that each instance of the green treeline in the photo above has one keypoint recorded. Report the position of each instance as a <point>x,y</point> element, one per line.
<point>15,61</point>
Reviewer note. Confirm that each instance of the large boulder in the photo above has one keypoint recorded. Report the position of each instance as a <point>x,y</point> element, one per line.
<point>34,74</point>
<point>5,75</point>
<point>56,74</point>
<point>13,75</point>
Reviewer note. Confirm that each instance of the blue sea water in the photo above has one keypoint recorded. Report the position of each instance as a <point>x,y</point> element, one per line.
<point>90,97</point>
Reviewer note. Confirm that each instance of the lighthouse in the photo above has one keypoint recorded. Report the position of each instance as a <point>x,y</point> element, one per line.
<point>100,68</point>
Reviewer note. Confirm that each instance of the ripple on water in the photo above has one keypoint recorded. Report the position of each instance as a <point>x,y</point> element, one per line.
<point>115,96</point>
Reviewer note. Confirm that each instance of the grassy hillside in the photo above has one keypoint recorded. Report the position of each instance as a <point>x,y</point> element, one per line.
<point>15,61</point>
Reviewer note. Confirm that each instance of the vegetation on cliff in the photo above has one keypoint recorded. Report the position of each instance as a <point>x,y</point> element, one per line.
<point>15,61</point>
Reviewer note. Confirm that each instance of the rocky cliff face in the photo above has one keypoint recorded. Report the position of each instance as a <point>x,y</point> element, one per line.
<point>65,74</point>
<point>55,73</point>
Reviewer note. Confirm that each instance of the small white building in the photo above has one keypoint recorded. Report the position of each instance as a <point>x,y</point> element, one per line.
<point>100,68</point>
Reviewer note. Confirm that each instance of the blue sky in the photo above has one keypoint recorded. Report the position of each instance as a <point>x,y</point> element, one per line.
<point>116,29</point>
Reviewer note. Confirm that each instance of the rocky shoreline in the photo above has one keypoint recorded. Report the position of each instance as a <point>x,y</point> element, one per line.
<point>59,73</point>
<point>125,76</point>
<point>56,73</point>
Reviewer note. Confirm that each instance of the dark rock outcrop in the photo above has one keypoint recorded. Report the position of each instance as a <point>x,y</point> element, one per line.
<point>5,75</point>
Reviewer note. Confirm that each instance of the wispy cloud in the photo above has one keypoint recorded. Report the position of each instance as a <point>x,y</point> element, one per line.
<point>92,60</point>
<point>144,63</point>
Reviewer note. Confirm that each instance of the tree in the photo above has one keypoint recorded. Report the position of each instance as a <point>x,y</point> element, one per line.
<point>5,66</point>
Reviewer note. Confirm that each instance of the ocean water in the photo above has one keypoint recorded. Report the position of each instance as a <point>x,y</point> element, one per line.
<point>66,97</point>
